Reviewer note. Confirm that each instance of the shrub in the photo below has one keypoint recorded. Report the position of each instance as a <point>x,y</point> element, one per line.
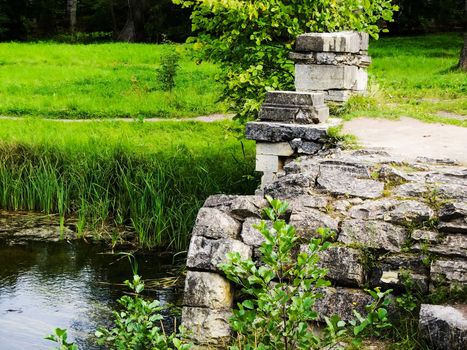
<point>251,39</point>
<point>168,70</point>
<point>280,294</point>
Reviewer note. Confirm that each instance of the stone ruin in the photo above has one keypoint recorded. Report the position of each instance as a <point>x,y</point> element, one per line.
<point>394,220</point>
<point>333,63</point>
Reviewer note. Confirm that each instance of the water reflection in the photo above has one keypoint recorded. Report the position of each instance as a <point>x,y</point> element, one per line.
<point>74,286</point>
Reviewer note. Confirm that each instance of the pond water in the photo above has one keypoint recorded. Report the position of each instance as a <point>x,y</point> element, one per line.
<point>66,285</point>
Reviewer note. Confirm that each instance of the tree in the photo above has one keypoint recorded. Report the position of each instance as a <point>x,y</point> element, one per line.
<point>72,6</point>
<point>251,39</point>
<point>463,59</point>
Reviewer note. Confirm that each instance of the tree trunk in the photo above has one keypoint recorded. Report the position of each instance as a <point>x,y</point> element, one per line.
<point>463,60</point>
<point>134,26</point>
<point>72,6</point>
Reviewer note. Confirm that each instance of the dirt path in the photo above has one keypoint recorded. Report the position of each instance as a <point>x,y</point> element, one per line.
<point>411,138</point>
<point>206,119</point>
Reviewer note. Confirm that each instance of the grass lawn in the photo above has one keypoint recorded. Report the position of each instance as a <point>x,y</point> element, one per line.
<point>101,81</point>
<point>415,77</point>
<point>146,178</point>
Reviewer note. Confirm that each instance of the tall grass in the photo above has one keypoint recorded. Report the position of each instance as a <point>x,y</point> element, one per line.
<point>152,178</point>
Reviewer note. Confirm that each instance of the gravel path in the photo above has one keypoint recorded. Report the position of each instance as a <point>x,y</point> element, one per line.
<point>411,138</point>
<point>206,119</point>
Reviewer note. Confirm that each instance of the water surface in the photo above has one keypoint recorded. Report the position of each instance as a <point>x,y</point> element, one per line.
<point>66,285</point>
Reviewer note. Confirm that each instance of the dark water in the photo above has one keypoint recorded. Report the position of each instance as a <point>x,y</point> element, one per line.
<point>73,286</point>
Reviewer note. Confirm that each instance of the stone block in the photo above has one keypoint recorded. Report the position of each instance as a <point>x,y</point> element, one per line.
<point>373,234</point>
<point>277,149</point>
<point>361,82</point>
<point>394,271</point>
<point>213,223</point>
<point>294,107</point>
<point>250,235</point>
<point>207,289</point>
<point>307,220</point>
<point>239,207</point>
<point>453,218</point>
<point>315,77</point>
<point>338,95</point>
<point>289,186</point>
<point>331,58</point>
<point>364,41</point>
<point>206,254</point>
<point>268,178</point>
<point>331,42</point>
<point>342,301</point>
<point>343,179</point>
<point>280,132</point>
<point>207,326</point>
<point>304,202</point>
<point>393,210</point>
<point>454,245</point>
<point>268,163</point>
<point>449,272</point>
<point>444,327</point>
<point>344,265</point>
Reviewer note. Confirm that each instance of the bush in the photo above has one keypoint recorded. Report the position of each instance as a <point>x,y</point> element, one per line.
<point>280,294</point>
<point>251,39</point>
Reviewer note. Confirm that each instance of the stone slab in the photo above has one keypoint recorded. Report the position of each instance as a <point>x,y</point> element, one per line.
<point>297,115</point>
<point>345,41</point>
<point>294,98</point>
<point>331,58</point>
<point>280,132</point>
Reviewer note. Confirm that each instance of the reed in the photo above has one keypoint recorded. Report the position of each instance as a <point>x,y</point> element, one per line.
<point>150,178</point>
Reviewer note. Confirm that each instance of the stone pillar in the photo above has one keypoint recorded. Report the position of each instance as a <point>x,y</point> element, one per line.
<point>290,124</point>
<point>333,63</point>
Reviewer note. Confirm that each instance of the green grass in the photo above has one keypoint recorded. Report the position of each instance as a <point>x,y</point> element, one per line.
<point>415,77</point>
<point>148,178</point>
<point>101,81</point>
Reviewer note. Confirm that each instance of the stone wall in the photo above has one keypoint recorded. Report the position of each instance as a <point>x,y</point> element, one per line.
<point>394,219</point>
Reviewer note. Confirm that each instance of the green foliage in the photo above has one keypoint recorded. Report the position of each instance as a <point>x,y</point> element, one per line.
<point>414,77</point>
<point>60,336</point>
<point>138,326</point>
<point>167,72</point>
<point>112,80</point>
<point>281,293</point>
<point>251,39</point>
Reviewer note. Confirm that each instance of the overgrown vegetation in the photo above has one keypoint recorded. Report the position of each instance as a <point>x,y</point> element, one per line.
<point>102,81</point>
<point>146,178</point>
<point>251,41</point>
